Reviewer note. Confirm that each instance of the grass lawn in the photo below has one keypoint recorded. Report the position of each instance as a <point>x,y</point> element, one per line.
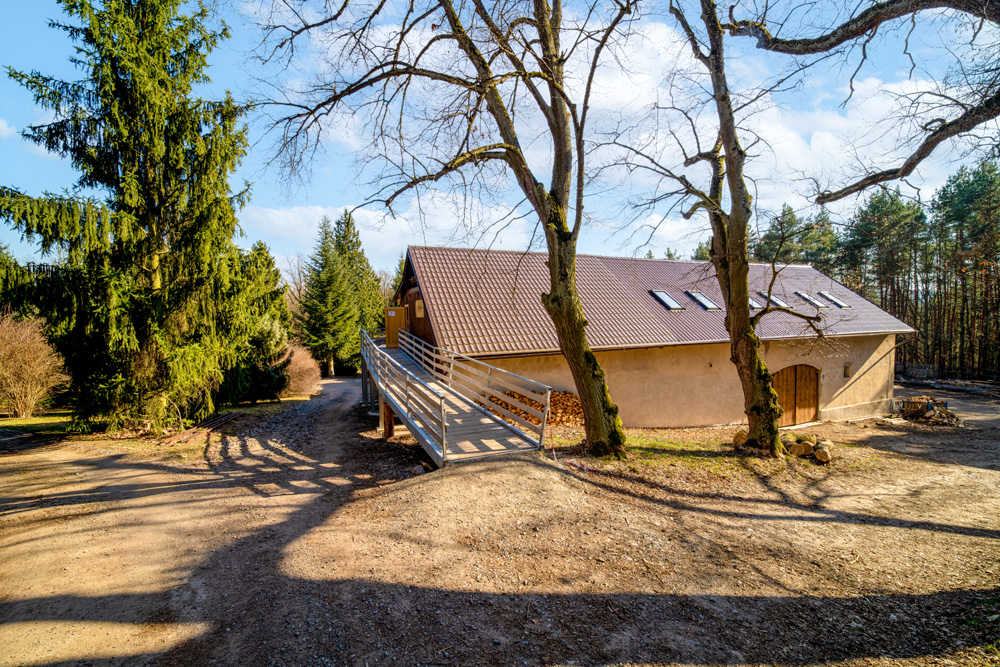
<point>56,422</point>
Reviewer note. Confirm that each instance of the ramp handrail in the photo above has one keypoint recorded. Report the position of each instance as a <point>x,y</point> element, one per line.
<point>498,391</point>
<point>422,404</point>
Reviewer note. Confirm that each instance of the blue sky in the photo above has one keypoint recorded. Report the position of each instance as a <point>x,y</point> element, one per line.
<point>808,132</point>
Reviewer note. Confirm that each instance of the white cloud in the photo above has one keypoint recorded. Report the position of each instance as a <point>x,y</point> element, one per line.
<point>6,129</point>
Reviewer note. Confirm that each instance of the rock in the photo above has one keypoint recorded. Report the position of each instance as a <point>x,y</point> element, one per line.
<point>739,438</point>
<point>417,470</point>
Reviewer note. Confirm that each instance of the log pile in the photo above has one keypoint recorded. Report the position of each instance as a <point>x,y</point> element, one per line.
<point>796,444</point>
<point>807,444</point>
<point>930,411</point>
<point>564,408</point>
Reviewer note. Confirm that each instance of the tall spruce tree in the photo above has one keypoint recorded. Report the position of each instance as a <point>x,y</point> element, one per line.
<point>397,278</point>
<point>329,316</point>
<point>364,281</point>
<point>254,311</point>
<point>134,307</point>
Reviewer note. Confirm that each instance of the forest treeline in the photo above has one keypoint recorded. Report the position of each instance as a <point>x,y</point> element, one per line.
<point>933,266</point>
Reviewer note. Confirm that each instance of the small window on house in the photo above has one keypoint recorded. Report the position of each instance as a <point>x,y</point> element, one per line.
<point>669,302</point>
<point>755,304</point>
<point>775,300</point>
<point>813,300</point>
<point>703,301</point>
<point>834,300</point>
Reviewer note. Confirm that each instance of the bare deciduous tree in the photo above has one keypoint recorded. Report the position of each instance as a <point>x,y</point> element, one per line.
<point>451,94</point>
<point>964,100</point>
<point>701,102</point>
<point>29,368</point>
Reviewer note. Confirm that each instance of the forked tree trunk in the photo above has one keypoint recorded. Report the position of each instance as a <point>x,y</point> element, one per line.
<point>729,245</point>
<point>603,427</point>
<point>760,401</point>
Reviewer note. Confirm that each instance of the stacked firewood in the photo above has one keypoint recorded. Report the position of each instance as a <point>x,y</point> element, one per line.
<point>564,408</point>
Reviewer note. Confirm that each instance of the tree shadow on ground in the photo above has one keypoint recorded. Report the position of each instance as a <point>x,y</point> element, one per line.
<point>360,621</point>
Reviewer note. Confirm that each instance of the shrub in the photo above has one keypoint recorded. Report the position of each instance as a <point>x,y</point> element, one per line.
<point>303,372</point>
<point>29,368</point>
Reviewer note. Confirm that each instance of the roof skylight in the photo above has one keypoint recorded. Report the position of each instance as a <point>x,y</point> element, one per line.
<point>703,301</point>
<point>775,300</point>
<point>755,304</point>
<point>811,299</point>
<point>669,302</point>
<point>834,300</point>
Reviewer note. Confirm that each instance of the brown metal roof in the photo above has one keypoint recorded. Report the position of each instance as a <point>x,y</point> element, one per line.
<point>488,302</point>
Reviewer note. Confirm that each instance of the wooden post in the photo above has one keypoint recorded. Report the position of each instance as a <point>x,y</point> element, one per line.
<point>387,419</point>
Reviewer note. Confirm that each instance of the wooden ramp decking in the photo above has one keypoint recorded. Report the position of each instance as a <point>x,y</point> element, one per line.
<point>471,431</point>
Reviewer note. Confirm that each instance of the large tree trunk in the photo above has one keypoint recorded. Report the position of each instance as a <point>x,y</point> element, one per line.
<point>760,401</point>
<point>729,252</point>
<point>603,427</point>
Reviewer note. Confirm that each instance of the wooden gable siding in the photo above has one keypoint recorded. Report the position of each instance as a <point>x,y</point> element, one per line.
<point>419,326</point>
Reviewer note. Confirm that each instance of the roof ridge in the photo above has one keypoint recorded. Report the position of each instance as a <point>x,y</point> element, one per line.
<point>648,259</point>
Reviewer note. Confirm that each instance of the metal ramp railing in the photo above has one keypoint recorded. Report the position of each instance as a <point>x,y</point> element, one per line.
<point>412,400</point>
<point>456,390</point>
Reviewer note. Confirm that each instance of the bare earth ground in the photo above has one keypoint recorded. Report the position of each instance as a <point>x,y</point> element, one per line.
<point>302,539</point>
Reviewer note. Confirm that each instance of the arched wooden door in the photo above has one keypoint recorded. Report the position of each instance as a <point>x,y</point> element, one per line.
<point>798,394</point>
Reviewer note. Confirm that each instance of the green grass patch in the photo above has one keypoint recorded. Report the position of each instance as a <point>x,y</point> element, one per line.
<point>54,423</point>
<point>656,451</point>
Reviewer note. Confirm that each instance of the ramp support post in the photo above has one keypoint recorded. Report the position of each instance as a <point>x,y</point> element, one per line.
<point>386,418</point>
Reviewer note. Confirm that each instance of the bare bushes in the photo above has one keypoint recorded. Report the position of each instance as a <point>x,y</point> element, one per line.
<point>29,368</point>
<point>303,372</point>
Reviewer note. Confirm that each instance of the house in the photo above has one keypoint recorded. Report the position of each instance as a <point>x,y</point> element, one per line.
<point>657,328</point>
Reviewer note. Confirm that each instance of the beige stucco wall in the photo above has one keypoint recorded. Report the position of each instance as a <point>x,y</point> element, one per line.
<point>693,385</point>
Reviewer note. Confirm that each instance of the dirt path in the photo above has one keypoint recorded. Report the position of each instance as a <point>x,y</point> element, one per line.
<point>307,541</point>
<point>114,559</point>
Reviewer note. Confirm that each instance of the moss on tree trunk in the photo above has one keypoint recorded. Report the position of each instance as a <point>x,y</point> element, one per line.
<point>604,432</point>
<point>760,401</point>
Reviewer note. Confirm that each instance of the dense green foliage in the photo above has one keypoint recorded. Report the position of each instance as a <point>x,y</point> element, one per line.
<point>791,240</point>
<point>330,313</point>
<point>937,268</point>
<point>702,251</point>
<point>364,282</point>
<point>397,278</point>
<point>257,357</point>
<point>153,304</point>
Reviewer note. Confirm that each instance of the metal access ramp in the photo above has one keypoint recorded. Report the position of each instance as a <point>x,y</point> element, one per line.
<point>458,408</point>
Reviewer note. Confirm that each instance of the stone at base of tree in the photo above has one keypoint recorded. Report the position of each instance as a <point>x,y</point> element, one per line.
<point>739,438</point>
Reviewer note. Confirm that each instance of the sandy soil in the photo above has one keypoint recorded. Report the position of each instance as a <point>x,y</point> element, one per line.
<point>303,539</point>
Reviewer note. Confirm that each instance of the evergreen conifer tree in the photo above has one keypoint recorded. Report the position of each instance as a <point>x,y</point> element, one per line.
<point>329,310</point>
<point>364,281</point>
<point>134,308</point>
<point>398,277</point>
